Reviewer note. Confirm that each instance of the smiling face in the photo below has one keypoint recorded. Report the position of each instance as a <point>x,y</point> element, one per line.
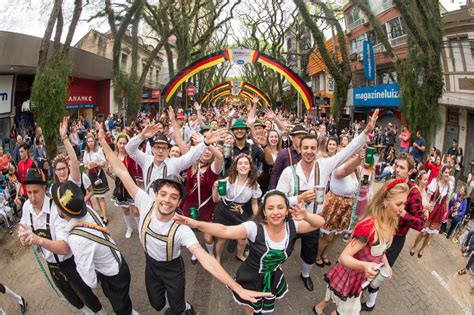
<point>175,151</point>
<point>206,157</point>
<point>332,146</point>
<point>396,204</point>
<point>268,125</point>
<point>160,152</point>
<point>243,166</point>
<point>309,149</point>
<point>167,199</point>
<point>275,210</point>
<point>344,141</point>
<point>424,180</point>
<point>62,171</point>
<point>445,175</point>
<point>273,138</point>
<point>240,133</point>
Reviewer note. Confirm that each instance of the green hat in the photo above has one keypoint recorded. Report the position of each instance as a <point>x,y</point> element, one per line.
<point>205,128</point>
<point>239,124</point>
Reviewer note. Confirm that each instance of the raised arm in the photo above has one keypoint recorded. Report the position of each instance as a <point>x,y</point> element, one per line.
<point>132,146</point>
<point>197,107</point>
<point>117,165</point>
<point>350,166</point>
<point>218,159</point>
<point>178,137</point>
<point>73,162</point>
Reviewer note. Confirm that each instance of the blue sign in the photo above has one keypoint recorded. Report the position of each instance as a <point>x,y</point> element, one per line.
<point>378,95</point>
<point>369,60</point>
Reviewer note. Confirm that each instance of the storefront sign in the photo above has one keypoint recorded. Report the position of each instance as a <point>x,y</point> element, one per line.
<point>155,94</point>
<point>82,94</point>
<point>6,93</point>
<point>378,95</point>
<point>369,60</point>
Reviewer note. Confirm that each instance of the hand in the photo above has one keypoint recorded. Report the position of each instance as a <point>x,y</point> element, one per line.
<point>261,140</point>
<point>197,107</point>
<point>372,120</point>
<point>181,219</point>
<point>299,212</point>
<point>171,114</point>
<point>251,296</point>
<point>307,196</point>
<point>362,155</point>
<point>255,99</point>
<point>27,237</point>
<point>149,131</point>
<point>390,271</point>
<point>197,138</point>
<point>100,131</point>
<point>18,202</point>
<point>270,114</point>
<point>370,270</point>
<point>214,136</point>
<point>402,213</point>
<point>63,127</point>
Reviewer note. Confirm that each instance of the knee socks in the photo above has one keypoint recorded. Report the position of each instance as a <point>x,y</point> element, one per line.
<point>128,221</point>
<point>372,298</point>
<point>306,269</point>
<point>210,248</point>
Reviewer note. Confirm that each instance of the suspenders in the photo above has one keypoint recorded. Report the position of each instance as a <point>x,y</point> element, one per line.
<point>44,233</point>
<point>150,170</point>
<point>297,181</point>
<point>168,239</point>
<point>290,156</point>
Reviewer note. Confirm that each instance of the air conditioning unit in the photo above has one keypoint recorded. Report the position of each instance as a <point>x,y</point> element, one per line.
<point>365,21</point>
<point>348,31</point>
<point>353,56</point>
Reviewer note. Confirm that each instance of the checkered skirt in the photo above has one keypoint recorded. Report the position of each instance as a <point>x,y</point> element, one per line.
<point>345,282</point>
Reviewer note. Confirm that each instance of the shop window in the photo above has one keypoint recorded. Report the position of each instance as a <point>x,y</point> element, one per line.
<point>123,61</point>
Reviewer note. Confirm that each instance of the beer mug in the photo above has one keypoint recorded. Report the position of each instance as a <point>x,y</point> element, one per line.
<point>378,280</point>
<point>319,191</point>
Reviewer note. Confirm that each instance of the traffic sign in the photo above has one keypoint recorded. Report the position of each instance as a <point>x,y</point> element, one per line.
<point>191,90</point>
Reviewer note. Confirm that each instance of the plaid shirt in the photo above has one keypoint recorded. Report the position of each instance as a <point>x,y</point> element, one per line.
<point>414,217</point>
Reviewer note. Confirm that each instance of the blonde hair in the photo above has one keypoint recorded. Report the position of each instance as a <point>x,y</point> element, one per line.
<point>385,226</point>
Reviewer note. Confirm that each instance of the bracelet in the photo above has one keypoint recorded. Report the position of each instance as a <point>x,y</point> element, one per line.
<point>207,144</point>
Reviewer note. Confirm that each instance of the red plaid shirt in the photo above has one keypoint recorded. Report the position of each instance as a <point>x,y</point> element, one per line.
<point>414,217</point>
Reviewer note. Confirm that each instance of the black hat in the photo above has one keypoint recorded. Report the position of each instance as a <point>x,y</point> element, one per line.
<point>171,179</point>
<point>34,176</point>
<point>159,138</point>
<point>69,199</point>
<point>298,130</point>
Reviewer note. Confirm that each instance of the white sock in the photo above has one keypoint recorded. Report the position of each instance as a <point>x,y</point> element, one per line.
<point>306,270</point>
<point>2,311</point>
<point>210,248</point>
<point>12,294</point>
<point>128,221</point>
<point>193,257</point>
<point>102,311</point>
<point>137,219</point>
<point>86,310</point>
<point>135,312</point>
<point>188,306</point>
<point>371,300</point>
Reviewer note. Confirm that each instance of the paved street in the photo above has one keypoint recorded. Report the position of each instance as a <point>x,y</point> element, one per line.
<point>419,286</point>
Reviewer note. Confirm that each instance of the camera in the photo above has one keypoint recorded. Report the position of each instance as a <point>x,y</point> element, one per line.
<point>98,182</point>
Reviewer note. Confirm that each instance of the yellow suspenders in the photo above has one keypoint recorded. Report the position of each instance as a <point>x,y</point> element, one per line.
<point>169,239</point>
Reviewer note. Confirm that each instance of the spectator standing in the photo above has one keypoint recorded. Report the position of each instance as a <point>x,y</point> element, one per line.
<point>419,147</point>
<point>4,161</point>
<point>24,165</point>
<point>404,137</point>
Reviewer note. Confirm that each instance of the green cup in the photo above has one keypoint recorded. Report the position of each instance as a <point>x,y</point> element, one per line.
<point>222,187</point>
<point>369,155</point>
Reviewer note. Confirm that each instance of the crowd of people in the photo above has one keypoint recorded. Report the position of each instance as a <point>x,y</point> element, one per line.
<point>249,179</point>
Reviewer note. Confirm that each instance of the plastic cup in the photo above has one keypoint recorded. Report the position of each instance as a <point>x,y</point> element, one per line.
<point>222,187</point>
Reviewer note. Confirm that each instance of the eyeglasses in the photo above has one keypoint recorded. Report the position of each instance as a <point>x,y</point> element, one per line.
<point>162,149</point>
<point>62,169</point>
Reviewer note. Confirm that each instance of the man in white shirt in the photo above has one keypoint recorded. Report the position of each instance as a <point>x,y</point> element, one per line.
<point>41,225</point>
<point>299,181</point>
<point>159,165</point>
<point>96,255</point>
<point>162,239</point>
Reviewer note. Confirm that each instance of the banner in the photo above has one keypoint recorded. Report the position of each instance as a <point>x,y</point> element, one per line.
<point>378,95</point>
<point>369,60</point>
<point>6,93</point>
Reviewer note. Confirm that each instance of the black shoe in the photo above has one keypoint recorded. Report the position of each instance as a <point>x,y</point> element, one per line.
<point>190,311</point>
<point>365,308</point>
<point>231,245</point>
<point>194,261</point>
<point>23,305</point>
<point>308,283</point>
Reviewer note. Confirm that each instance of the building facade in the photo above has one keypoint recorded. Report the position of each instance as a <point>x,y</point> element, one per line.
<point>457,102</point>
<point>102,45</point>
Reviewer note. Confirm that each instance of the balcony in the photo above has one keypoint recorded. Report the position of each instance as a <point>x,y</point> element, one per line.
<point>379,48</point>
<point>357,22</point>
<point>385,6</point>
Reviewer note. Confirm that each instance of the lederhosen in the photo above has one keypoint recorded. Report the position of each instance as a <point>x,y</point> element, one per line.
<point>65,275</point>
<point>149,185</point>
<point>163,278</point>
<point>309,241</point>
<point>116,288</point>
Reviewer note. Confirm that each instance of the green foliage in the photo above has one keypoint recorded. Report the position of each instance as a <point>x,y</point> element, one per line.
<point>127,86</point>
<point>48,98</point>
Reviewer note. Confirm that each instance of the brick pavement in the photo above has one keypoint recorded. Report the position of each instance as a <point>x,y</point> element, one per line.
<point>417,286</point>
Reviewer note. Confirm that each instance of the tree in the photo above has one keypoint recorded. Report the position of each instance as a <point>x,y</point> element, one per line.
<point>419,74</point>
<point>341,73</point>
<point>50,88</point>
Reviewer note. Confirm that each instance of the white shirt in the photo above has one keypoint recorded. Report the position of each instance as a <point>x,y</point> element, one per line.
<point>94,156</point>
<point>91,257</point>
<point>252,230</point>
<point>174,166</point>
<point>446,190</point>
<point>286,183</point>
<point>241,194</point>
<point>57,226</point>
<point>85,180</point>
<point>155,248</point>
<point>345,186</point>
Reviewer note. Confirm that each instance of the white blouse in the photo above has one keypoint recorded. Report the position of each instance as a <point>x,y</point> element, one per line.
<point>241,194</point>
<point>94,156</point>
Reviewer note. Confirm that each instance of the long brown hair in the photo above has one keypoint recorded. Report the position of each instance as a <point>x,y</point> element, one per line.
<point>121,135</point>
<point>252,175</point>
<point>279,139</point>
<point>90,136</point>
<point>385,226</point>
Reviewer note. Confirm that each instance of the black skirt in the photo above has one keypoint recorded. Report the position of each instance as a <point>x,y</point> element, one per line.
<point>99,183</point>
<point>232,213</point>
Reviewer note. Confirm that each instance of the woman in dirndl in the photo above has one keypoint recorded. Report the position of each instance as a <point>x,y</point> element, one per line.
<point>365,253</point>
<point>120,195</point>
<point>200,179</point>
<point>439,191</point>
<point>94,161</point>
<point>240,202</point>
<point>271,242</point>
<point>338,207</point>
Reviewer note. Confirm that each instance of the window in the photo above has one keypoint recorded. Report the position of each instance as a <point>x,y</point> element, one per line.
<point>386,76</point>
<point>353,15</point>
<point>305,43</point>
<point>123,61</point>
<point>157,75</point>
<point>357,44</point>
<point>394,28</point>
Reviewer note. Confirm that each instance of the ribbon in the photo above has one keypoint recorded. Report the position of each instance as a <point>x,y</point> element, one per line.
<point>270,262</point>
<point>43,271</point>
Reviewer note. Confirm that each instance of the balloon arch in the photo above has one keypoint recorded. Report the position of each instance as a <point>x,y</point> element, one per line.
<point>240,57</point>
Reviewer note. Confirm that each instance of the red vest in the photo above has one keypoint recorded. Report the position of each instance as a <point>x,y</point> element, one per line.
<point>23,167</point>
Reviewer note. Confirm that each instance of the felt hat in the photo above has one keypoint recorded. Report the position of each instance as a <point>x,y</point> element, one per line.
<point>69,199</point>
<point>260,123</point>
<point>239,124</point>
<point>34,176</point>
<point>298,130</point>
<point>171,179</point>
<point>159,138</point>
